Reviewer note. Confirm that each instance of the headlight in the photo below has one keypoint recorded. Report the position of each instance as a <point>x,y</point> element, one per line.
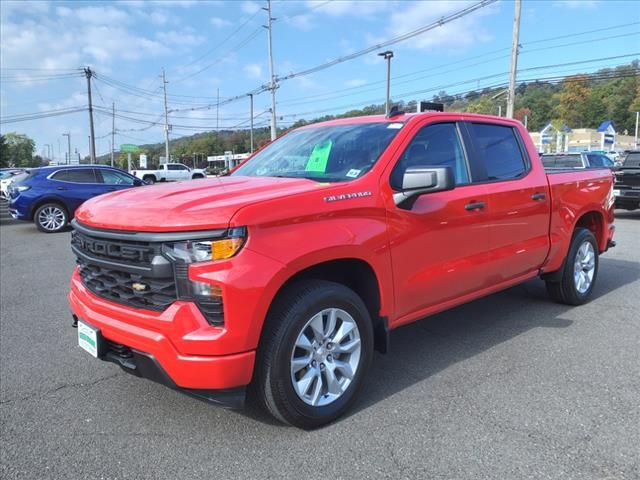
<point>20,188</point>
<point>204,250</point>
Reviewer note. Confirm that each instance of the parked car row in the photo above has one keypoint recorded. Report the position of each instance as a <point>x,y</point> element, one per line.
<point>8,175</point>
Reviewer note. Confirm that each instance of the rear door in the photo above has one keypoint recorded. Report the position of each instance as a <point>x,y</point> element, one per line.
<point>519,200</point>
<point>438,245</point>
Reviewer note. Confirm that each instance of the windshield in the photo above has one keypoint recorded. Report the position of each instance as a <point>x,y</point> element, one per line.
<point>632,160</point>
<point>326,154</point>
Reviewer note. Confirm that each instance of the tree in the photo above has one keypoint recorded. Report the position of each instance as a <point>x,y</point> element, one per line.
<point>4,152</point>
<point>20,150</point>
<point>483,105</point>
<point>573,105</point>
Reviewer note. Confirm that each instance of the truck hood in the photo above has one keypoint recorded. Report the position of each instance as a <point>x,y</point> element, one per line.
<point>190,205</point>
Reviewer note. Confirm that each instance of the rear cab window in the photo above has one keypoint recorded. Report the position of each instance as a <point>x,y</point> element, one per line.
<point>632,160</point>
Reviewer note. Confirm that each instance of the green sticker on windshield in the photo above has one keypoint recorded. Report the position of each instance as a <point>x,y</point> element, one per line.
<point>318,160</point>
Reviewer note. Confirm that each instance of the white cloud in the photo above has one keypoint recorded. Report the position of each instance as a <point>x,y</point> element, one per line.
<point>250,7</point>
<point>97,15</point>
<point>253,71</point>
<point>220,22</point>
<point>575,4</point>
<point>180,38</point>
<point>360,8</point>
<point>159,17</point>
<point>447,36</point>
<point>356,82</point>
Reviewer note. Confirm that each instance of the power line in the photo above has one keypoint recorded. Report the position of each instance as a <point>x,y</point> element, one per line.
<point>442,21</point>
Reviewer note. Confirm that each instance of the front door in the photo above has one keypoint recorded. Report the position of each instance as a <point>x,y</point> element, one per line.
<point>439,245</point>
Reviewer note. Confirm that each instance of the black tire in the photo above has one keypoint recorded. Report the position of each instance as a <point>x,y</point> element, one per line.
<point>197,176</point>
<point>150,179</point>
<point>51,217</point>
<point>293,308</point>
<point>566,291</point>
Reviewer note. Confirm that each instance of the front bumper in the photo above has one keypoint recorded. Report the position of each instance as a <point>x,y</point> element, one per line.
<point>158,341</point>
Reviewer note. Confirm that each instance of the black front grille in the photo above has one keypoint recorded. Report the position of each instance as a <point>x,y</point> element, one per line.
<point>128,288</point>
<point>130,252</point>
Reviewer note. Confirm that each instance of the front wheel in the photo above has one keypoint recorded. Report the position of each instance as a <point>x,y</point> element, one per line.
<point>580,270</point>
<point>314,355</point>
<point>51,218</point>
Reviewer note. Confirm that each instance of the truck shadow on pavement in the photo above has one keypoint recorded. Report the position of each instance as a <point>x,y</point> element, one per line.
<point>429,346</point>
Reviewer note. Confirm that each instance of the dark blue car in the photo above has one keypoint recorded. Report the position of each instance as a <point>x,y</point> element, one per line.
<point>50,195</point>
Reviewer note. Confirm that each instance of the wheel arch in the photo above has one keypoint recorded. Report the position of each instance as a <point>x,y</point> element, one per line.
<point>593,220</point>
<point>356,274</point>
<point>42,201</point>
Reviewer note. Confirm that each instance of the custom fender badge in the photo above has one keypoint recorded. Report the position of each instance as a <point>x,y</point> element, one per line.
<point>346,196</point>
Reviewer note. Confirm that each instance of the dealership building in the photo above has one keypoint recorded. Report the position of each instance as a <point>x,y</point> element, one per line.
<point>564,139</point>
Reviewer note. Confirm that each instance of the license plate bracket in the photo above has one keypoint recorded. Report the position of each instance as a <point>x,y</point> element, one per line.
<point>90,339</point>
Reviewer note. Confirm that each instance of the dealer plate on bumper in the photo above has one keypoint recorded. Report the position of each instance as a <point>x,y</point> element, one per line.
<point>89,338</point>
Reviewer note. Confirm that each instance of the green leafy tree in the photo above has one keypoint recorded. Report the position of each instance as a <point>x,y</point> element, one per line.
<point>4,152</point>
<point>482,105</point>
<point>573,105</point>
<point>20,150</point>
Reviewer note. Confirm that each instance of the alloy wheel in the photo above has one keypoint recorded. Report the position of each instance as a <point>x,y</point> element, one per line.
<point>325,357</point>
<point>584,267</point>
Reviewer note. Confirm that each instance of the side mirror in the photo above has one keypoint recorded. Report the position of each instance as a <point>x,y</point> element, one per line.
<point>420,180</point>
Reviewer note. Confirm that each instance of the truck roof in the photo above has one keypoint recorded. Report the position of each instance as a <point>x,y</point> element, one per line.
<point>406,117</point>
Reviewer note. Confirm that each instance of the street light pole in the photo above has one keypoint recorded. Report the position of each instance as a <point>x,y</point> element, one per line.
<point>68,135</point>
<point>388,55</point>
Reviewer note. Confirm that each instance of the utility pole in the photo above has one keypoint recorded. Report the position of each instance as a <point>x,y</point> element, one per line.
<point>113,129</point>
<point>92,139</point>
<point>68,135</point>
<point>388,55</point>
<point>637,118</point>
<point>166,119</point>
<point>251,120</point>
<point>511,98</point>
<point>217,110</point>
<point>272,83</point>
<point>89,138</point>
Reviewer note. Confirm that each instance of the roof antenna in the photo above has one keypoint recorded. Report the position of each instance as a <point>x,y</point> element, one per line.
<point>394,112</point>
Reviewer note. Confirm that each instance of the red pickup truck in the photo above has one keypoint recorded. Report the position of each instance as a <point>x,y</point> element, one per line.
<point>281,279</point>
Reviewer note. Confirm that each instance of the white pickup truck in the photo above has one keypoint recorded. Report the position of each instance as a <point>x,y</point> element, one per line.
<point>169,172</point>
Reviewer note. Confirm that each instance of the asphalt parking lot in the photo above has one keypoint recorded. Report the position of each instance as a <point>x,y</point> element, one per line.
<point>508,387</point>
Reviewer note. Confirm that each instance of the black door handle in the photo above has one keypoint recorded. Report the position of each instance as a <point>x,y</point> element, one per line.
<point>538,196</point>
<point>474,206</point>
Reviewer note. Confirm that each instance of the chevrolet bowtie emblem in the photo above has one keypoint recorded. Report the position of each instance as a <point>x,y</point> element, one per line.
<point>139,287</point>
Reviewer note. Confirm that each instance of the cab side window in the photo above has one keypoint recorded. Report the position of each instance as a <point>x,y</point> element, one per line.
<point>498,151</point>
<point>436,145</point>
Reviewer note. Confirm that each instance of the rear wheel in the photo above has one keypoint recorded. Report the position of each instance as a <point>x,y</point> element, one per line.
<point>51,218</point>
<point>580,270</point>
<point>150,179</point>
<point>314,355</point>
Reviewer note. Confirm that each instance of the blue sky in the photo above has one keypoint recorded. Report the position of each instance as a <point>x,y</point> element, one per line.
<point>209,45</point>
